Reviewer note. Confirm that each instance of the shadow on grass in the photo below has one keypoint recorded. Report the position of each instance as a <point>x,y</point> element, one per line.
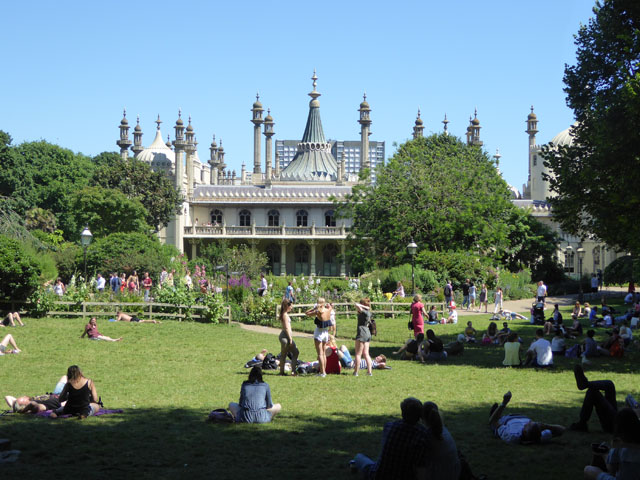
<point>178,443</point>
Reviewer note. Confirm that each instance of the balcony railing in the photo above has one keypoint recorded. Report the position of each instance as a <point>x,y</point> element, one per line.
<point>263,231</point>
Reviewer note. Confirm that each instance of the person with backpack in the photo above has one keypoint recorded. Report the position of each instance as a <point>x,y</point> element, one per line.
<point>363,337</point>
<point>448,293</point>
<point>255,405</point>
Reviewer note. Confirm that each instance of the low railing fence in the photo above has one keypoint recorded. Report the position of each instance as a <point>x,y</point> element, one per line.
<point>110,309</point>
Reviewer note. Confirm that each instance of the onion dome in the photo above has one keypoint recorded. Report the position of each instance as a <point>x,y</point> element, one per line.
<point>158,154</point>
<point>257,103</point>
<point>532,116</point>
<point>124,120</point>
<point>565,137</point>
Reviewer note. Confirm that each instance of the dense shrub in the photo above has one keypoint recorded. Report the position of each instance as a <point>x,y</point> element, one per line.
<point>19,272</point>
<point>620,271</point>
<point>126,252</point>
<point>458,266</point>
<point>516,285</point>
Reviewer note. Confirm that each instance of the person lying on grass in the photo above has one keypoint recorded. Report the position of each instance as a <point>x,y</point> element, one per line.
<point>39,403</point>
<point>516,428</point>
<point>91,329</point>
<point>605,405</point>
<point>80,395</point>
<point>378,363</point>
<point>255,405</point>
<point>6,341</point>
<point>10,320</point>
<point>123,317</point>
<point>410,348</point>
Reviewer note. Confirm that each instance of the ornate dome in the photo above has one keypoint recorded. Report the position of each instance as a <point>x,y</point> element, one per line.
<point>565,137</point>
<point>158,154</point>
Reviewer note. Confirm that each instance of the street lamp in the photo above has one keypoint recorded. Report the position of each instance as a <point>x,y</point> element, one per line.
<point>85,240</point>
<point>580,251</point>
<point>412,248</point>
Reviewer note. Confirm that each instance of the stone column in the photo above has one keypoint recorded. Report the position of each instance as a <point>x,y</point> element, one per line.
<point>194,247</point>
<point>343,251</point>
<point>312,267</point>
<point>283,257</point>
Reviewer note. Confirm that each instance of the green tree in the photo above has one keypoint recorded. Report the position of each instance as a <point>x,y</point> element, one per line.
<point>137,180</point>
<point>444,194</point>
<point>107,211</point>
<point>596,179</point>
<point>19,273</point>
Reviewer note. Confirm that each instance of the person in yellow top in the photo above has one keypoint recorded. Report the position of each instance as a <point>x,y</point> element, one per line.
<point>470,333</point>
<point>512,351</point>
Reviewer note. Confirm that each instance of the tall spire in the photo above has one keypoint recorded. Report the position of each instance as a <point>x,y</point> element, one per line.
<point>313,160</point>
<point>419,126</point>
<point>257,121</point>
<point>158,122</point>
<point>137,138</point>
<point>365,124</point>
<point>124,143</point>
<point>446,122</point>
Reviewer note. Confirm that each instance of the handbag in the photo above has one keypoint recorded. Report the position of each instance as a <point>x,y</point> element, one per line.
<point>410,324</point>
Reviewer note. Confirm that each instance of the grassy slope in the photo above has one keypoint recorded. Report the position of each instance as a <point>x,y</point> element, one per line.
<point>168,377</point>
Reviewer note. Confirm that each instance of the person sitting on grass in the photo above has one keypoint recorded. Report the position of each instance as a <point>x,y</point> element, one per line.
<point>10,320</point>
<point>491,335</point>
<point>255,405</point>
<point>558,346</point>
<point>623,459</point>
<point>518,429</point>
<point>91,329</point>
<point>453,314</point>
<point>605,405</point>
<point>503,333</point>
<point>80,395</point>
<point>6,341</point>
<point>123,317</point>
<point>614,345</point>
<point>442,460</point>
<point>577,311</point>
<point>432,315</point>
<point>411,347</point>
<point>40,403</point>
<point>512,351</point>
<point>539,353</point>
<point>404,447</point>
<point>575,329</point>
<point>432,349</point>
<point>586,310</point>
<point>470,333</point>
<point>625,333</point>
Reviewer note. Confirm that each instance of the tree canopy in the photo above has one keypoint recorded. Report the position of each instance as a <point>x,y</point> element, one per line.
<point>138,181</point>
<point>596,178</point>
<point>443,193</point>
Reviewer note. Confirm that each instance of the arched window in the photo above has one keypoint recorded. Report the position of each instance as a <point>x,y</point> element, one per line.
<point>330,267</point>
<point>301,218</point>
<point>273,218</point>
<point>216,217</point>
<point>301,256</point>
<point>273,257</point>
<point>329,219</point>
<point>569,262</point>
<point>245,218</point>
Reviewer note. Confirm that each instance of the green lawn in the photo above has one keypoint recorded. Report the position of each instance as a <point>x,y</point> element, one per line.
<point>168,377</point>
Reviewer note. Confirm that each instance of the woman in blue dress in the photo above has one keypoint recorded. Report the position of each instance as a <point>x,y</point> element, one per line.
<point>255,405</point>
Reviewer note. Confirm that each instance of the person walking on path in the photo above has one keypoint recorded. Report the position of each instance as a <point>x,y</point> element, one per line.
<point>484,295</point>
<point>541,292</point>
<point>497,300</point>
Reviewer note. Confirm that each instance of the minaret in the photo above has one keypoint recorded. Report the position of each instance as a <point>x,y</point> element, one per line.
<point>268,132</point>
<point>137,138</point>
<point>180,145</point>
<point>475,130</point>
<point>124,143</point>
<point>446,123</point>
<point>419,127</point>
<point>470,131</point>
<point>221,164</point>
<point>532,130</point>
<point>257,121</point>
<point>365,123</point>
<point>213,162</point>
<point>277,169</point>
<point>497,157</point>
<point>168,144</point>
<point>190,149</point>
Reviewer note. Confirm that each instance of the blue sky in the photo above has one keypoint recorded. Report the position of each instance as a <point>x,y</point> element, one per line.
<point>71,67</point>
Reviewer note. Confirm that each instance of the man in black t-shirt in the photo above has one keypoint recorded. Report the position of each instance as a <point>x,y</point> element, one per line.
<point>465,293</point>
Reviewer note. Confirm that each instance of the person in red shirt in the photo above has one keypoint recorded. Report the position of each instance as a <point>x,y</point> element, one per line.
<point>417,315</point>
<point>146,285</point>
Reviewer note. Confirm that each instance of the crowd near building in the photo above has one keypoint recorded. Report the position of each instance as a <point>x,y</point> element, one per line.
<point>283,205</point>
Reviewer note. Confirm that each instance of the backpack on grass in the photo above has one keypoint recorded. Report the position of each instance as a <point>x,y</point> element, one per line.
<point>269,362</point>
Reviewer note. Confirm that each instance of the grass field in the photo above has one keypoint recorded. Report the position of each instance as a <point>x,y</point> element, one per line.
<point>168,377</point>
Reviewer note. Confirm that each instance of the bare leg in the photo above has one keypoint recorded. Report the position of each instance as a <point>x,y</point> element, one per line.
<point>275,410</point>
<point>10,400</point>
<point>359,350</point>
<point>8,340</point>
<point>109,339</point>
<point>16,318</point>
<point>322,357</point>
<point>367,358</point>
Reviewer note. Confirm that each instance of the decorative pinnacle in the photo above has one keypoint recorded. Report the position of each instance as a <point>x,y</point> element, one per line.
<point>364,96</point>
<point>168,138</point>
<point>138,119</point>
<point>475,113</point>
<point>445,121</point>
<point>158,122</point>
<point>124,112</point>
<point>531,108</point>
<point>189,119</point>
<point>418,112</point>
<point>314,94</point>
<point>257,96</point>
<point>179,112</point>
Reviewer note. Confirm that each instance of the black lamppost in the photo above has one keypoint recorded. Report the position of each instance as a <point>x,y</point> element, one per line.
<point>412,248</point>
<point>85,240</point>
<point>580,251</point>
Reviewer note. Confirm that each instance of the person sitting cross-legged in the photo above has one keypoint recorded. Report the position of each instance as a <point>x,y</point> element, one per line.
<point>518,429</point>
<point>539,353</point>
<point>404,447</point>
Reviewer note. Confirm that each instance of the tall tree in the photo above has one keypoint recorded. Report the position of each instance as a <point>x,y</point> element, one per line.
<point>137,180</point>
<point>444,194</point>
<point>596,179</point>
